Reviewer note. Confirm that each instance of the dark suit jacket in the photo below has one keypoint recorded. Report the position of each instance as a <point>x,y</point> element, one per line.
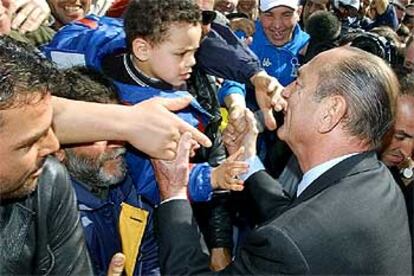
<point>351,220</point>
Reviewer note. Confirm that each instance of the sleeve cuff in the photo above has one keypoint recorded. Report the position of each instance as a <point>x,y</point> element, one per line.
<point>174,198</point>
<point>255,165</point>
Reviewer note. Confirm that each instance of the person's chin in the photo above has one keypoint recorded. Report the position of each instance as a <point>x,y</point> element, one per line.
<point>26,189</point>
<point>391,160</point>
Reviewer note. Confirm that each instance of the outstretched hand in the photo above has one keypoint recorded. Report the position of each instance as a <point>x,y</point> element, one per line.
<point>160,129</point>
<point>226,175</point>
<point>172,176</point>
<point>268,93</point>
<point>234,140</point>
<point>29,14</point>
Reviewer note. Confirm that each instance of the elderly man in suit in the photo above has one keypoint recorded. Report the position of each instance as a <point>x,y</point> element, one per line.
<point>336,209</point>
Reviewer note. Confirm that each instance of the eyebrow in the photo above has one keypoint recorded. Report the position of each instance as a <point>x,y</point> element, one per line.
<point>403,133</point>
<point>31,140</point>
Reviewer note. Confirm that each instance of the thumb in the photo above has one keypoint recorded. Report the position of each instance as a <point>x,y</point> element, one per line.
<point>270,121</point>
<point>175,104</point>
<point>116,267</point>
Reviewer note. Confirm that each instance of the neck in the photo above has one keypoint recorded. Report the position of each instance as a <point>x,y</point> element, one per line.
<point>313,155</point>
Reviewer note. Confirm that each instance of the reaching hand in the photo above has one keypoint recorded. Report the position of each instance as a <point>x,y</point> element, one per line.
<point>234,140</point>
<point>29,15</point>
<point>226,175</point>
<point>159,130</point>
<point>172,176</point>
<point>268,96</point>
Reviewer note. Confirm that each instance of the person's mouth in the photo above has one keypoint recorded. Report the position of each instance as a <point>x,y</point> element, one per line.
<point>278,35</point>
<point>185,76</point>
<point>395,159</point>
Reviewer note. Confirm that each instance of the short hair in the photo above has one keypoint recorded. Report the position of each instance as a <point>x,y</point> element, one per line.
<point>151,19</point>
<point>24,74</point>
<point>407,85</point>
<point>87,85</point>
<point>369,87</point>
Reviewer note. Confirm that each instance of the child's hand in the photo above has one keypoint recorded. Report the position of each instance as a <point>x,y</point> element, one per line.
<point>226,175</point>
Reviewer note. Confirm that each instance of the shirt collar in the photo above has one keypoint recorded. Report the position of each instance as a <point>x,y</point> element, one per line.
<point>312,174</point>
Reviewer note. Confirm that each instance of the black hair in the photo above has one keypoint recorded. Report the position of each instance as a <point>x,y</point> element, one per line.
<point>24,74</point>
<point>151,19</point>
<point>87,85</point>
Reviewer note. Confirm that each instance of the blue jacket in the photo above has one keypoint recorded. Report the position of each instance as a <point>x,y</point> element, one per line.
<point>279,62</point>
<point>86,42</point>
<point>100,220</point>
<point>388,18</point>
<point>139,165</point>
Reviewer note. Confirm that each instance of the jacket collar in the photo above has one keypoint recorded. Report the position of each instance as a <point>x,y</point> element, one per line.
<point>350,166</point>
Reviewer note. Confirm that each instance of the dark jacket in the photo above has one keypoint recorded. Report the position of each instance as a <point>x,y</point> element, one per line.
<point>41,233</point>
<point>351,221</point>
<point>101,218</point>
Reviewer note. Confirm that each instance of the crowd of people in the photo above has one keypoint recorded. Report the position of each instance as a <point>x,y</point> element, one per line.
<point>187,137</point>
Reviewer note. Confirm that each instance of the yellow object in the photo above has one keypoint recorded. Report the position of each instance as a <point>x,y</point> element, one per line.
<point>224,118</point>
<point>132,224</point>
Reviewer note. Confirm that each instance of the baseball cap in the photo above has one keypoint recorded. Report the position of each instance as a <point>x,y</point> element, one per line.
<point>266,5</point>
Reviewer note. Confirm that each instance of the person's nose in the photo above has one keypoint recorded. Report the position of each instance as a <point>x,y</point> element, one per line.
<point>49,144</point>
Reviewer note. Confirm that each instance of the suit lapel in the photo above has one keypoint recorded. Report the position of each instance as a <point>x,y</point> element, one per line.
<point>333,175</point>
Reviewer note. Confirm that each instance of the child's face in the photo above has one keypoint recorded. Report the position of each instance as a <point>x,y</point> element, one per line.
<point>172,59</point>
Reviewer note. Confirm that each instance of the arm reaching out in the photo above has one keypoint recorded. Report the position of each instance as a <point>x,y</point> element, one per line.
<point>149,126</point>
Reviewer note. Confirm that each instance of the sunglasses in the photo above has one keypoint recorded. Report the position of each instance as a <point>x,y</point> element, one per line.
<point>207,17</point>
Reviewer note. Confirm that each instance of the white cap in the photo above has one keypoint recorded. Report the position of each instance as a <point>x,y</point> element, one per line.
<point>266,5</point>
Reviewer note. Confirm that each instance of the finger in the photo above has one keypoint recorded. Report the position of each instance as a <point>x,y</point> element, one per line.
<point>184,148</point>
<point>22,15</point>
<point>240,125</point>
<point>117,264</point>
<point>251,121</point>
<point>236,155</point>
<point>269,120</point>
<point>198,136</point>
<point>228,140</point>
<point>174,104</point>
<point>33,21</point>
<point>178,104</point>
<point>239,169</point>
<point>236,187</point>
<point>230,128</point>
<point>278,102</point>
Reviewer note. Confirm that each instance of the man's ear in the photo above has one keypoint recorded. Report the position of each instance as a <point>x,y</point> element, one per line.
<point>141,49</point>
<point>333,110</point>
<point>60,155</point>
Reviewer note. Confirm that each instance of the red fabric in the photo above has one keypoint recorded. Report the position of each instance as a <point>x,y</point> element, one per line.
<point>118,8</point>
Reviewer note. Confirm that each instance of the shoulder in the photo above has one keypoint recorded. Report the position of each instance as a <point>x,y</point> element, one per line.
<point>54,182</point>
